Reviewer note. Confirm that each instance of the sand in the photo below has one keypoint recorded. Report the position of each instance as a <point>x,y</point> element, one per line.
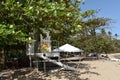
<point>101,70</point>
<point>85,70</point>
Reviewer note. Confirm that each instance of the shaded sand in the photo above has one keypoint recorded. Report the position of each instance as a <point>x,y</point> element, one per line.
<point>86,70</point>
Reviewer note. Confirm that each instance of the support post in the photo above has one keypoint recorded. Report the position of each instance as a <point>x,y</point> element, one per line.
<point>44,66</point>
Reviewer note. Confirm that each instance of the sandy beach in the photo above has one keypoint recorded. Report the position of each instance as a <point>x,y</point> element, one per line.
<point>101,70</point>
<point>85,70</point>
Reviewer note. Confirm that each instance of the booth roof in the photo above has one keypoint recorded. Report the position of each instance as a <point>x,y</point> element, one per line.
<point>68,48</point>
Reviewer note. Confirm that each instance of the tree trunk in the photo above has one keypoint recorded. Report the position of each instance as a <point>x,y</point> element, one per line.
<point>2,59</point>
<point>37,42</point>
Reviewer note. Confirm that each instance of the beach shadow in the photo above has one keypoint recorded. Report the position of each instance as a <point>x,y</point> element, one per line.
<point>80,65</point>
<point>32,74</point>
<point>70,75</point>
<point>89,72</point>
<point>74,75</point>
<point>18,74</point>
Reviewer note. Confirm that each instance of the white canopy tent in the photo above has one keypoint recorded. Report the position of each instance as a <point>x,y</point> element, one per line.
<point>67,48</point>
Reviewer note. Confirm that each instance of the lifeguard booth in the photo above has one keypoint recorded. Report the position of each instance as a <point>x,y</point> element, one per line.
<point>45,54</point>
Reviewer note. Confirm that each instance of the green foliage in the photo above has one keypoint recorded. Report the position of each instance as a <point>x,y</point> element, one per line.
<point>20,20</point>
<point>88,38</point>
<point>34,16</point>
<point>87,13</point>
<point>8,35</point>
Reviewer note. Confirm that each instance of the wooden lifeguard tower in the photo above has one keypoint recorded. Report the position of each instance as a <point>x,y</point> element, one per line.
<point>45,54</point>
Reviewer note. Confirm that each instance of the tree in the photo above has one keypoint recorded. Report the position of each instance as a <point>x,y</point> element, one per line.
<point>22,19</point>
<point>109,34</point>
<point>116,35</point>
<point>89,34</point>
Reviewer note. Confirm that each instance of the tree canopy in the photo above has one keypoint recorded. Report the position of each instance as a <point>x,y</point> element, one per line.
<point>20,19</point>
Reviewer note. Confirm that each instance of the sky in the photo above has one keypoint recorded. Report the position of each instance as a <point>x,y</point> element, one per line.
<point>108,9</point>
